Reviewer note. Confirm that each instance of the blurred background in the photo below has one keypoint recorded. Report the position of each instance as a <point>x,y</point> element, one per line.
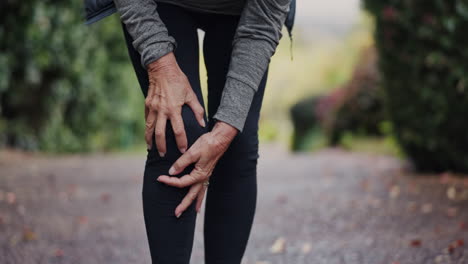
<point>364,134</point>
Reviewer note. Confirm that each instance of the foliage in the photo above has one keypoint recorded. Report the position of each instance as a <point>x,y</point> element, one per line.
<point>63,84</point>
<point>358,104</point>
<point>305,121</point>
<point>353,107</point>
<point>424,62</point>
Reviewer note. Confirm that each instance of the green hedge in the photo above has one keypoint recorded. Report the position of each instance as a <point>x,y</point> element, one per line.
<point>65,86</point>
<point>423,56</point>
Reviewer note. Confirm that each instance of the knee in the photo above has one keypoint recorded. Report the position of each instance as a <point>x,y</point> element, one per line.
<point>193,130</point>
<point>245,146</point>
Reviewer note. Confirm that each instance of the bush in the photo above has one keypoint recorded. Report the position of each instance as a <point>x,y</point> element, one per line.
<point>305,121</point>
<point>354,107</point>
<point>422,46</point>
<point>359,107</point>
<point>64,85</point>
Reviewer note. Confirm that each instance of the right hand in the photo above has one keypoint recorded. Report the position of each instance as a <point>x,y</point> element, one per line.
<point>169,89</point>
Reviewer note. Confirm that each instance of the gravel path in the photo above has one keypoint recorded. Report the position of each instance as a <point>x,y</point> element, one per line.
<point>327,207</point>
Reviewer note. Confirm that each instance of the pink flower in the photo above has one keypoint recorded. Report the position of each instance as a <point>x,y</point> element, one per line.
<point>389,13</point>
<point>429,19</point>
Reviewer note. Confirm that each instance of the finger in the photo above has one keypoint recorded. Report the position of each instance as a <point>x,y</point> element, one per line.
<point>146,112</point>
<point>188,199</point>
<point>160,134</point>
<point>181,163</point>
<point>149,127</point>
<point>179,132</point>
<point>197,109</point>
<point>181,182</point>
<point>200,197</point>
<point>148,100</point>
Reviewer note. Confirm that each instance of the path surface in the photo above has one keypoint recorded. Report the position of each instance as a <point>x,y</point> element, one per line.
<point>328,207</point>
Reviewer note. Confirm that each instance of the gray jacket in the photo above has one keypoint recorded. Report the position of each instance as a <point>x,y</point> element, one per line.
<point>255,41</point>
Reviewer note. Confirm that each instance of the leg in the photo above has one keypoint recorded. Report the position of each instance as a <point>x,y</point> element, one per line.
<point>171,239</point>
<point>231,197</point>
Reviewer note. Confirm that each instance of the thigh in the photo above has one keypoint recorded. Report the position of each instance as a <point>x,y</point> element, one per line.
<point>231,197</point>
<point>170,238</point>
<point>217,49</point>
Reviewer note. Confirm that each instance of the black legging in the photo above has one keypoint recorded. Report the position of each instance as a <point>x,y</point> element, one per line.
<point>231,196</point>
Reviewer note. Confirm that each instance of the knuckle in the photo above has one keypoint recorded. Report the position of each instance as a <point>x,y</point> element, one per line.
<point>159,132</point>
<point>190,155</point>
<point>194,178</point>
<point>154,104</point>
<point>178,131</point>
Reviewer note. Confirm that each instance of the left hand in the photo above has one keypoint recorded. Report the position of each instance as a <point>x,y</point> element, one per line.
<point>205,153</point>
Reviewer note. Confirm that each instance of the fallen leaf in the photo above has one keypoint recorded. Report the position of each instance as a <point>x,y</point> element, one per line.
<point>451,249</point>
<point>282,199</point>
<point>452,193</point>
<point>441,259</point>
<point>394,191</point>
<point>364,185</point>
<point>376,203</point>
<point>82,220</point>
<point>413,188</point>
<point>28,234</point>
<point>279,246</point>
<point>58,253</point>
<point>415,243</point>
<point>10,198</point>
<point>426,208</point>
<point>72,189</point>
<point>445,178</point>
<point>306,248</point>
<point>105,197</point>
<point>412,206</point>
<point>452,211</point>
<point>463,226</point>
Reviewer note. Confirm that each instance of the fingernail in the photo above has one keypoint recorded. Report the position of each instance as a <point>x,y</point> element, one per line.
<point>178,215</point>
<point>203,122</point>
<point>182,150</point>
<point>161,154</point>
<point>171,171</point>
<point>149,146</point>
<point>158,179</point>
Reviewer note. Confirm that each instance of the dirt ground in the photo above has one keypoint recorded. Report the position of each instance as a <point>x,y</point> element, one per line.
<point>328,207</point>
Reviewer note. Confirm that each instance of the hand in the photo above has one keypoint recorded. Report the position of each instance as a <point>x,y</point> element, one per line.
<point>169,89</point>
<point>205,153</point>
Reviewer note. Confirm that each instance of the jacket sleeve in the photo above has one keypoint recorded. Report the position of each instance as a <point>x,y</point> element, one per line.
<point>257,36</point>
<point>150,36</point>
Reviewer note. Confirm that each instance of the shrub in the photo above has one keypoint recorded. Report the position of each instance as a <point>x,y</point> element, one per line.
<point>359,107</point>
<point>305,121</point>
<point>354,107</point>
<point>423,57</point>
<point>63,84</point>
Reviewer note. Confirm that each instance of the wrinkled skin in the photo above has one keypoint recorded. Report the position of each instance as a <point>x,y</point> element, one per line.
<point>169,90</point>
